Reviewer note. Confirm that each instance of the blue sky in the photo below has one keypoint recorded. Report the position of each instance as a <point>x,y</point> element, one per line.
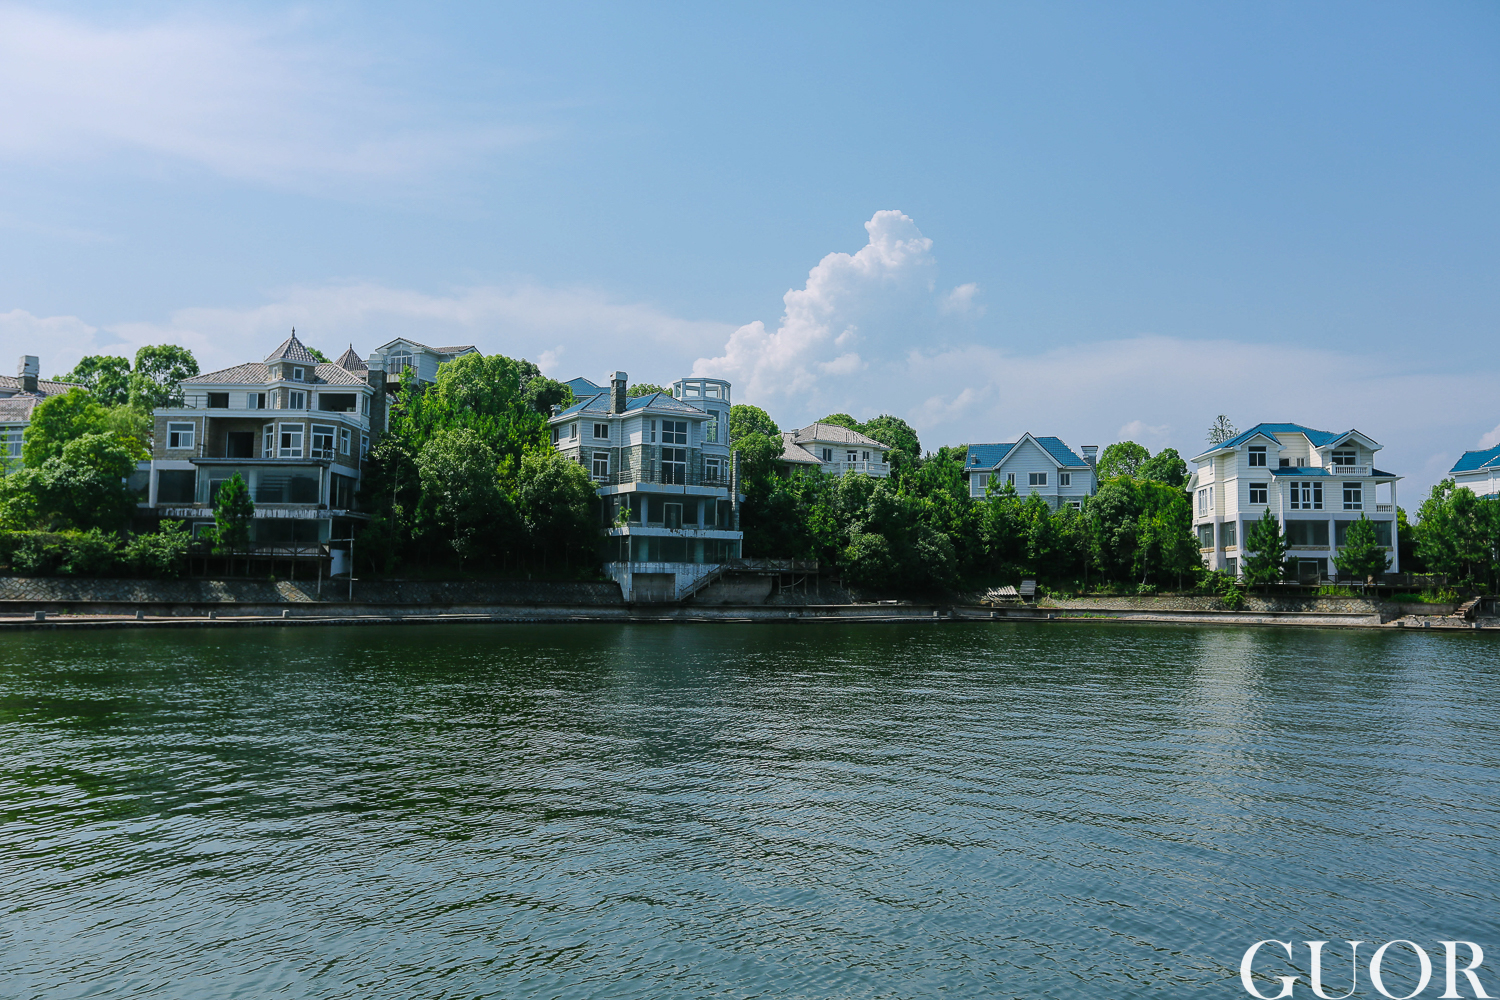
<point>1095,221</point>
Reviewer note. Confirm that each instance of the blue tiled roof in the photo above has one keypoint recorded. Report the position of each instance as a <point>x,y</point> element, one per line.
<point>583,387</point>
<point>1473,461</point>
<point>583,404</point>
<point>600,404</point>
<point>991,455</point>
<point>1318,438</point>
<point>1300,471</point>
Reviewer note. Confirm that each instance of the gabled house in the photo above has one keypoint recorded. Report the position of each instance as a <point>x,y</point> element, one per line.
<point>18,397</point>
<point>832,449</point>
<point>403,353</point>
<point>668,510</point>
<point>1041,465</point>
<point>296,430</point>
<point>1479,471</point>
<point>1316,483</point>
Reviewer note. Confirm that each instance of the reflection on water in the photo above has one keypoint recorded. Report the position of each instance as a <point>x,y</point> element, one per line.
<point>759,811</point>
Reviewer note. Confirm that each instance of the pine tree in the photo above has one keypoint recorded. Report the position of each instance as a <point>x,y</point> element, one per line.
<point>1267,558</point>
<point>233,511</point>
<point>1361,558</point>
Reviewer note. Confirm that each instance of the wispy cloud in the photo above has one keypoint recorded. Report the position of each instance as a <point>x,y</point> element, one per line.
<point>260,101</point>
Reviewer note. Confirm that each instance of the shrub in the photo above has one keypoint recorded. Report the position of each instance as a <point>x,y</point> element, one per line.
<point>89,553</point>
<point>160,554</point>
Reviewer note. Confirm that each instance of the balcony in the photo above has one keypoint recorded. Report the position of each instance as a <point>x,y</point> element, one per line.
<point>1385,508</point>
<point>1349,471</point>
<point>869,468</point>
<point>668,475</point>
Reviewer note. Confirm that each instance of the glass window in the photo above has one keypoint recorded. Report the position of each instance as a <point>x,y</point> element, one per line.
<point>175,485</point>
<point>1286,463</point>
<point>1036,479</point>
<point>298,375</point>
<point>1354,496</point>
<point>268,449</point>
<point>1065,479</point>
<point>851,456</point>
<point>1232,566</point>
<point>711,470</point>
<point>322,441</point>
<point>341,492</point>
<point>1010,479</point>
<point>218,401</point>
<point>1382,533</point>
<point>981,480</point>
<point>291,441</point>
<point>828,454</point>
<point>1227,534</point>
<point>674,432</point>
<point>255,401</point>
<point>601,465</point>
<point>601,431</point>
<point>1258,493</point>
<point>572,432</point>
<point>1257,454</point>
<point>711,429</point>
<point>336,402</point>
<point>1205,536</point>
<point>179,435</point>
<point>13,439</point>
<point>400,361</point>
<point>1314,533</point>
<point>672,515</point>
<point>345,437</point>
<point>1344,457</point>
<point>674,464</point>
<point>296,400</point>
<point>1307,495</point>
<point>364,446</point>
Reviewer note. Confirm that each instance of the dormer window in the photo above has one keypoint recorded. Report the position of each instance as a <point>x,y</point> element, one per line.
<point>1344,457</point>
<point>1257,455</point>
<point>299,375</point>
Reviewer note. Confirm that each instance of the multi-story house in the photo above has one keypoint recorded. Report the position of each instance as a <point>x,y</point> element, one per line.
<point>1041,465</point>
<point>834,450</point>
<point>403,353</point>
<point>294,429</point>
<point>18,397</point>
<point>1316,483</point>
<point>668,503</point>
<point>1479,471</point>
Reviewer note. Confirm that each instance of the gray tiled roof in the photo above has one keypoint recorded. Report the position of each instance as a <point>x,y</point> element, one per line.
<point>834,434</point>
<point>454,350</point>
<point>655,402</point>
<point>791,451</point>
<point>256,373</point>
<point>45,387</point>
<point>16,409</point>
<point>291,349</point>
<point>351,362</point>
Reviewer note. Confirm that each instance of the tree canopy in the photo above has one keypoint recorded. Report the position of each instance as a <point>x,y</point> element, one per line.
<point>745,420</point>
<point>159,370</point>
<point>1124,458</point>
<point>106,376</point>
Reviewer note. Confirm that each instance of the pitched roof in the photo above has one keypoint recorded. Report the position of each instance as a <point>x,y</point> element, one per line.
<point>44,387</point>
<point>834,434</point>
<point>425,347</point>
<point>459,349</point>
<point>351,362</point>
<point>791,451</point>
<point>989,456</point>
<point>291,349</point>
<point>1300,471</point>
<point>661,402</point>
<point>583,387</point>
<point>256,373</point>
<point>17,409</point>
<point>1473,461</point>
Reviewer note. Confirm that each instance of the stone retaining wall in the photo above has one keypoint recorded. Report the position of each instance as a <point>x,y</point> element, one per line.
<point>55,591</point>
<point>1193,602</point>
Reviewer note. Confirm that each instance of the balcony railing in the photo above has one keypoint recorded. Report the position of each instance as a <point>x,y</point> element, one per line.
<point>1351,471</point>
<point>1385,508</point>
<point>666,475</point>
<point>839,468</point>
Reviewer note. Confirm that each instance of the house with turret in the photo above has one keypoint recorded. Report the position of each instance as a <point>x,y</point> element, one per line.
<point>668,503</point>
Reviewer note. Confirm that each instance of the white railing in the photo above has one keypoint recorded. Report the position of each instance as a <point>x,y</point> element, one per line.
<point>1385,508</point>
<point>1353,471</point>
<point>874,468</point>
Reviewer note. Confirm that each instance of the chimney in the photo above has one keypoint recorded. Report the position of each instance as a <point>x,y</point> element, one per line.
<point>1090,453</point>
<point>375,375</point>
<point>617,386</point>
<point>27,372</point>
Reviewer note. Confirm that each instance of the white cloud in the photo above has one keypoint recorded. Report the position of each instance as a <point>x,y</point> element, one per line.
<point>960,301</point>
<point>1143,433</point>
<point>1490,439</point>
<point>256,101</point>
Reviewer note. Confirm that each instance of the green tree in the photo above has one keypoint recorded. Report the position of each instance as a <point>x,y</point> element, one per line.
<point>82,488</point>
<point>1266,561</point>
<point>843,420</point>
<point>745,420</point>
<point>159,371</point>
<point>461,497</point>
<point>758,454</point>
<point>1361,558</point>
<point>1166,466</point>
<point>318,355</point>
<point>1123,458</point>
<point>557,503</point>
<point>1221,430</point>
<point>1456,533</point>
<point>106,376</point>
<point>905,449</point>
<point>645,389</point>
<point>234,513</point>
<point>58,420</point>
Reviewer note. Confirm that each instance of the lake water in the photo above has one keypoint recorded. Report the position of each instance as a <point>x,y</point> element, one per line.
<point>800,810</point>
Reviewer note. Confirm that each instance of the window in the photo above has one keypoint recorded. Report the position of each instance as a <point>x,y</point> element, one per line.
<point>674,464</point>
<point>1314,533</point>
<point>299,375</point>
<point>255,401</point>
<point>218,401</point>
<point>1010,479</point>
<point>296,400</point>
<point>12,440</point>
<point>1205,499</point>
<point>365,405</point>
<point>400,361</point>
<point>601,431</point>
<point>364,446</point>
<point>556,433</point>
<point>851,457</point>
<point>1344,457</point>
<point>572,432</point>
<point>322,441</point>
<point>1036,479</point>
<point>671,515</point>
<point>653,432</point>
<point>175,485</point>
<point>711,470</point>
<point>336,402</point>
<point>828,454</point>
<point>981,480</point>
<point>1076,504</point>
<point>1065,479</point>
<point>1227,534</point>
<point>268,441</point>
<point>674,432</point>
<point>291,441</point>
<point>1286,463</point>
<point>1307,495</point>
<point>601,465</point>
<point>1354,496</point>
<point>1205,536</point>
<point>239,444</point>
<point>340,492</point>
<point>344,442</point>
<point>1382,533</point>
<point>1232,566</point>
<point>865,455</point>
<point>711,429</point>
<point>1257,455</point>
<point>1258,493</point>
<point>179,435</point>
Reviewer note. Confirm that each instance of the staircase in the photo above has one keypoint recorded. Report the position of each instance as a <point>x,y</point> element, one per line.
<point>1469,609</point>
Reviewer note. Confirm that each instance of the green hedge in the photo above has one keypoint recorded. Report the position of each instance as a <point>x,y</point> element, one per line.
<point>161,555</point>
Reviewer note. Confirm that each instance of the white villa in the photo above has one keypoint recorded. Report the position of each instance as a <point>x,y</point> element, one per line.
<point>833,449</point>
<point>295,429</point>
<point>403,353</point>
<point>668,490</point>
<point>1315,482</point>
<point>1479,471</point>
<point>18,397</point>
<point>1041,465</point>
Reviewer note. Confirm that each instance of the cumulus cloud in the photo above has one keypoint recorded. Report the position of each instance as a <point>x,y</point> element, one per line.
<point>1491,438</point>
<point>829,321</point>
<point>252,100</point>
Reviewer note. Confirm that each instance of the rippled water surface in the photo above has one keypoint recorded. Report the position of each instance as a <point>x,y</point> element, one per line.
<point>733,811</point>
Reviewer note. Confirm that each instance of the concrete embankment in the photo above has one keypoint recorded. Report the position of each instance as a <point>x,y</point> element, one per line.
<point>49,603</point>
